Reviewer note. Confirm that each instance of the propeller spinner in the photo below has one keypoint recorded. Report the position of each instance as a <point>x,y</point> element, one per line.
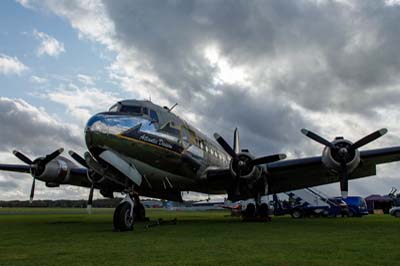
<point>343,152</point>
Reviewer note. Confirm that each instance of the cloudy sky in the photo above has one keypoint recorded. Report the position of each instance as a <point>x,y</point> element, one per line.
<point>267,67</point>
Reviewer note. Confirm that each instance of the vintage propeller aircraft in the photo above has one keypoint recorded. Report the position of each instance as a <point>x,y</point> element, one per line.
<point>140,148</point>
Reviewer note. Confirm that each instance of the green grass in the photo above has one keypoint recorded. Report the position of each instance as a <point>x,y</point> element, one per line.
<point>199,238</point>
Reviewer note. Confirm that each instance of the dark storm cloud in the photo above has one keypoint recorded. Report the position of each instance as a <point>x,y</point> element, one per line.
<point>265,125</point>
<point>32,130</point>
<point>335,52</point>
<point>170,38</point>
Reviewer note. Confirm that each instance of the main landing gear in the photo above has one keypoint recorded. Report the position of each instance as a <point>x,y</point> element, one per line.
<point>258,212</point>
<point>129,211</point>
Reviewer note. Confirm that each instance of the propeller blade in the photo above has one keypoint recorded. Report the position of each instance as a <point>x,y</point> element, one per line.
<point>236,141</point>
<point>344,182</point>
<point>90,200</point>
<point>268,159</point>
<point>367,139</point>
<point>78,158</point>
<point>22,157</point>
<point>317,138</point>
<point>52,156</point>
<point>225,145</point>
<point>32,191</point>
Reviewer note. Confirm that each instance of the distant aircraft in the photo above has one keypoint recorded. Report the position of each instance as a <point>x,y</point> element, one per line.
<point>140,148</point>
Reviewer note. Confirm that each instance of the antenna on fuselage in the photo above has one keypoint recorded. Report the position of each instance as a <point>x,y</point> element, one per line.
<point>172,107</point>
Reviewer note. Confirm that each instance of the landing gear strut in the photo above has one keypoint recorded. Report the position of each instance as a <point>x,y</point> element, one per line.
<point>128,211</point>
<point>124,215</point>
<point>258,212</point>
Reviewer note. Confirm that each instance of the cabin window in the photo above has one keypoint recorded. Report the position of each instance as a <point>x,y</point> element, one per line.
<point>201,145</point>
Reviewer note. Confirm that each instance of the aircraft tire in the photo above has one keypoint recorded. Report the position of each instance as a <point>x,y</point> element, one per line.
<point>123,221</point>
<point>140,212</point>
<point>250,211</point>
<point>297,214</point>
<point>263,210</point>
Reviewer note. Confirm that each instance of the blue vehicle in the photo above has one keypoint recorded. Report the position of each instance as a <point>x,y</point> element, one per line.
<point>309,203</point>
<point>356,205</point>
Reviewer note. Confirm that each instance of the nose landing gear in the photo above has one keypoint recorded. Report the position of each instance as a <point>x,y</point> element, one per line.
<point>127,212</point>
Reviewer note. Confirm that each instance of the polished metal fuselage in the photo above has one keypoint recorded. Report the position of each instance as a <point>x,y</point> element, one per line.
<point>171,155</point>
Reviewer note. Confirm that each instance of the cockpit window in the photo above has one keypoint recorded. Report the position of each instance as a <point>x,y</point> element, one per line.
<point>114,108</point>
<point>131,109</point>
<point>154,116</point>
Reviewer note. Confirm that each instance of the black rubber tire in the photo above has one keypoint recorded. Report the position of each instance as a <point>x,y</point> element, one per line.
<point>396,214</point>
<point>122,219</point>
<point>140,212</point>
<point>350,213</point>
<point>297,214</point>
<point>263,210</point>
<point>250,211</point>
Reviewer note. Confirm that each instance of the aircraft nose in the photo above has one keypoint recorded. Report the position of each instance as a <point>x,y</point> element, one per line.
<point>97,123</point>
<point>109,125</point>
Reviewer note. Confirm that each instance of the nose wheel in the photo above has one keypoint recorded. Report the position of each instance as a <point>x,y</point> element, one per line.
<point>123,217</point>
<point>127,212</point>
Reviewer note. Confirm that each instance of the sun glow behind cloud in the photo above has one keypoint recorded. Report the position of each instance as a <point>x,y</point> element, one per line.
<point>226,71</point>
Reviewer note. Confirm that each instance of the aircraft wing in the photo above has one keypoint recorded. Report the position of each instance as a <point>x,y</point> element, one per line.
<point>15,168</point>
<point>308,172</point>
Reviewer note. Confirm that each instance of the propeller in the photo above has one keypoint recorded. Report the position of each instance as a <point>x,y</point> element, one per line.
<point>242,161</point>
<point>37,166</point>
<point>78,158</point>
<point>343,152</point>
<point>92,175</point>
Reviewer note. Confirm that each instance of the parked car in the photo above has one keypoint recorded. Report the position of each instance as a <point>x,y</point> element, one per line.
<point>395,211</point>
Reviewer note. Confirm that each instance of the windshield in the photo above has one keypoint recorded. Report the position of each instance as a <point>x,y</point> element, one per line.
<point>131,109</point>
<point>355,201</point>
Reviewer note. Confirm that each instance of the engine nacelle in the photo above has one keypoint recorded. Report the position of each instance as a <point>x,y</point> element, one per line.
<point>56,171</point>
<point>239,167</point>
<point>331,159</point>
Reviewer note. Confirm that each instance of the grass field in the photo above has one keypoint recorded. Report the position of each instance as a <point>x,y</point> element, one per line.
<point>70,237</point>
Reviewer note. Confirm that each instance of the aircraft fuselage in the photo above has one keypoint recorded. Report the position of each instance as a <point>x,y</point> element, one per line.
<point>167,151</point>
